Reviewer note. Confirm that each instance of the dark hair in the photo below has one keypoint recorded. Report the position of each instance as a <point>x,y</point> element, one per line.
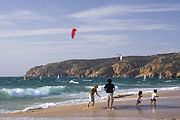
<point>140,93</point>
<point>155,90</point>
<point>109,80</point>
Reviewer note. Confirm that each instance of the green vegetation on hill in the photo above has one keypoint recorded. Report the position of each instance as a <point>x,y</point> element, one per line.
<point>168,65</point>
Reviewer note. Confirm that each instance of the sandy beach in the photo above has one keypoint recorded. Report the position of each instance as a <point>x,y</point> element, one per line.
<point>168,107</point>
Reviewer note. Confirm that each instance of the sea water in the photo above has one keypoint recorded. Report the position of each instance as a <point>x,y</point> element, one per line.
<point>17,94</point>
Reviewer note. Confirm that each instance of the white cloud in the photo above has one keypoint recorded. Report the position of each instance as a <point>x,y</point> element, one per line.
<point>96,13</point>
<point>97,27</point>
<point>119,25</point>
<point>106,18</point>
<point>20,33</point>
<point>107,11</point>
<point>6,23</point>
<point>24,15</point>
<point>81,43</point>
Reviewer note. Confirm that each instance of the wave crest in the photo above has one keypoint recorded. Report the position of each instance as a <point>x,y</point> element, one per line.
<point>6,93</point>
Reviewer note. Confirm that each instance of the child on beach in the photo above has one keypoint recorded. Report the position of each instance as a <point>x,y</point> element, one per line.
<point>153,97</point>
<point>91,95</point>
<point>139,98</point>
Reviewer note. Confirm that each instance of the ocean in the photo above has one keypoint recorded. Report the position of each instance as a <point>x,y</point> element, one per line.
<point>17,94</point>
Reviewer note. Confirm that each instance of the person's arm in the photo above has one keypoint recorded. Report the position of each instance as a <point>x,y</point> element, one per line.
<point>97,93</point>
<point>105,88</point>
<point>140,98</point>
<point>114,89</point>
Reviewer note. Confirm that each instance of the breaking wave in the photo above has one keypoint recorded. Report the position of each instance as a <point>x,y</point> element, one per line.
<point>6,93</point>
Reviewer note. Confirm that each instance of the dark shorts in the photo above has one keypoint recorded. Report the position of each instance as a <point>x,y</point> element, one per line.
<point>153,100</point>
<point>138,101</point>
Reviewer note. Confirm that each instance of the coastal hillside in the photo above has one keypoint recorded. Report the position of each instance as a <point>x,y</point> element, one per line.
<point>168,65</point>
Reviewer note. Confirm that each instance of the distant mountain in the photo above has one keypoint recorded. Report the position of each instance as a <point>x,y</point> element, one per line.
<point>168,65</point>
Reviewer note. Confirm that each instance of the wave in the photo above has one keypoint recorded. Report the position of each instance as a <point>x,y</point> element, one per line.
<point>52,104</point>
<point>42,106</point>
<point>86,80</point>
<point>6,93</point>
<point>103,97</point>
<point>82,97</point>
<point>144,90</point>
<point>71,81</point>
<point>168,81</point>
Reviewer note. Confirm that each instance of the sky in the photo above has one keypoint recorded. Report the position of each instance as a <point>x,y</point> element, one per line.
<point>38,32</point>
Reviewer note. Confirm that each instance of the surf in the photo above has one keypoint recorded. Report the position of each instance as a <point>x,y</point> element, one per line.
<point>7,93</point>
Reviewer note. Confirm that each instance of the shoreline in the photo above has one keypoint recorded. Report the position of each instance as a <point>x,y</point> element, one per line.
<point>168,106</point>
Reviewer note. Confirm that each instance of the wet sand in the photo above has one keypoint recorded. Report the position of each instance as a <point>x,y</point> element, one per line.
<point>168,107</point>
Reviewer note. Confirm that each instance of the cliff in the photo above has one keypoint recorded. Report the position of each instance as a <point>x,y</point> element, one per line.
<point>168,65</point>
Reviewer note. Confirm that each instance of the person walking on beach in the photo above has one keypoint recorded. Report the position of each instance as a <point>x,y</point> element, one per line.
<point>109,88</point>
<point>153,97</point>
<point>139,98</point>
<point>91,95</point>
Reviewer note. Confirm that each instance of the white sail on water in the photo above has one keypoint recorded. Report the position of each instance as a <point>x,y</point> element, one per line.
<point>144,77</point>
<point>160,76</point>
<point>58,76</point>
<point>40,77</point>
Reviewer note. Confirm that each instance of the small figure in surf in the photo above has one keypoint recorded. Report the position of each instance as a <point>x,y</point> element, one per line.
<point>91,95</point>
<point>139,98</point>
<point>153,97</point>
<point>109,88</point>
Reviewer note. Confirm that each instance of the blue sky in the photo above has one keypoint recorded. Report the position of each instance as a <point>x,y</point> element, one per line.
<point>37,32</point>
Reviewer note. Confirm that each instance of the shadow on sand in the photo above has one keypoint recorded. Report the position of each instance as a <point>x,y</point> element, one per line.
<point>143,107</point>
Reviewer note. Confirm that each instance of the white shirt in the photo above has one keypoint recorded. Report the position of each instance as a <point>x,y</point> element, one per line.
<point>153,96</point>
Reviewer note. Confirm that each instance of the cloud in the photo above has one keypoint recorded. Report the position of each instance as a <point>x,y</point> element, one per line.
<point>6,23</point>
<point>24,15</point>
<point>117,10</point>
<point>21,33</point>
<point>81,43</point>
<point>101,27</point>
<point>120,25</point>
<point>101,24</point>
<point>96,13</point>
<point>106,18</point>
<point>102,39</point>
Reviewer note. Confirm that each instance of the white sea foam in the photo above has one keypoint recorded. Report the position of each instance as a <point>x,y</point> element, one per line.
<point>33,92</point>
<point>42,106</point>
<point>86,80</point>
<point>145,90</point>
<point>72,81</point>
<point>168,81</point>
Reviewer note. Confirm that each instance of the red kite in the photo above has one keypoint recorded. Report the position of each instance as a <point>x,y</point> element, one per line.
<point>73,33</point>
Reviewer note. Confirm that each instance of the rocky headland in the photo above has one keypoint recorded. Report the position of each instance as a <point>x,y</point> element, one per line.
<point>168,65</point>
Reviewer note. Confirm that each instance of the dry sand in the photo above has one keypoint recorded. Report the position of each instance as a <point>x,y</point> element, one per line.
<point>168,107</point>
